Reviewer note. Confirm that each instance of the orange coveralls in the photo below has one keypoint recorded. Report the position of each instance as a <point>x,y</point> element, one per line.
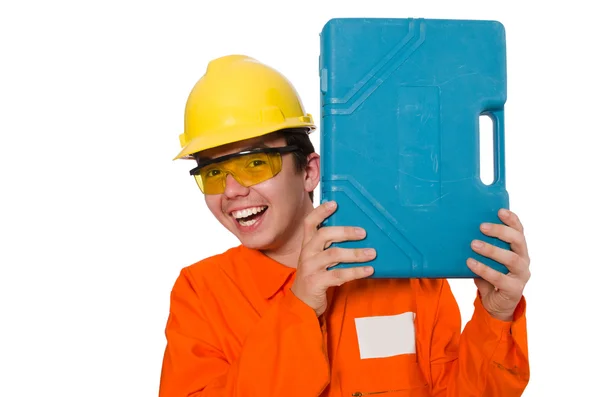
<point>236,329</point>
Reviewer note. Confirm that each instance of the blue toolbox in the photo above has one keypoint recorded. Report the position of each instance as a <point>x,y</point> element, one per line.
<point>401,101</point>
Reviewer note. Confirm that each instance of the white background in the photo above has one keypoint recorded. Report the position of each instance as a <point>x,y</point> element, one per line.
<point>96,220</point>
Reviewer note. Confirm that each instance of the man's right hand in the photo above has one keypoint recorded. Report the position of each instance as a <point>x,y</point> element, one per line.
<point>312,277</point>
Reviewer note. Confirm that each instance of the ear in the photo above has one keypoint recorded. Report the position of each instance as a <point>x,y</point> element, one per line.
<point>312,172</point>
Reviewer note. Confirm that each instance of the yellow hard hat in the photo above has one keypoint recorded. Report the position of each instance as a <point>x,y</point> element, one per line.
<point>239,98</point>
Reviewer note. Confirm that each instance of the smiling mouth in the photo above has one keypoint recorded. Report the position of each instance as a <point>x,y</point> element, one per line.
<point>249,216</point>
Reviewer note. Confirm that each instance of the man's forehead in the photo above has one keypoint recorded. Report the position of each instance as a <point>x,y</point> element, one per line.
<point>236,147</point>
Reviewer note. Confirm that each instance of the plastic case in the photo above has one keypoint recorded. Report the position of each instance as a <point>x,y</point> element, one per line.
<point>400,107</point>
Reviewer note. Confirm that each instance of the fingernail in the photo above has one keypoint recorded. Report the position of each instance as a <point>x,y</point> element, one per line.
<point>360,232</point>
<point>477,244</point>
<point>486,226</point>
<point>369,252</point>
<point>368,270</point>
<point>330,205</point>
<point>472,262</point>
<point>504,213</point>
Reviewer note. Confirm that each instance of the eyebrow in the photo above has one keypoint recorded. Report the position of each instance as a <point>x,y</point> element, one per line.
<point>260,145</point>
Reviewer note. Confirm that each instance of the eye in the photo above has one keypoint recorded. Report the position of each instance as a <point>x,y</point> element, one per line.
<point>256,163</point>
<point>212,173</point>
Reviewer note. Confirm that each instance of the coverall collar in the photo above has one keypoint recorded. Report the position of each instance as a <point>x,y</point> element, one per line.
<point>269,275</point>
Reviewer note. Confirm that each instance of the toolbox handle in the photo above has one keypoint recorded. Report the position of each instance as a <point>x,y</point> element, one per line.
<point>497,117</point>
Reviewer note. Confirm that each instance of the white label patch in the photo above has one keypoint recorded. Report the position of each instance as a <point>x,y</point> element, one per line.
<point>386,336</point>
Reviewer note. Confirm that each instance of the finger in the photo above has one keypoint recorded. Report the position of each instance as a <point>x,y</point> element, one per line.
<point>335,234</point>
<point>334,256</point>
<point>515,238</point>
<point>511,219</point>
<point>338,277</point>
<point>315,218</point>
<point>513,262</point>
<point>495,278</point>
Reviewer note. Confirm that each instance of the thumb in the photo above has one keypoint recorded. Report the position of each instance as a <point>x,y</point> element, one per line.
<point>484,286</point>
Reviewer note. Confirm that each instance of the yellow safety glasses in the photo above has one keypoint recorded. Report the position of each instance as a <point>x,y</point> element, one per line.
<point>248,168</point>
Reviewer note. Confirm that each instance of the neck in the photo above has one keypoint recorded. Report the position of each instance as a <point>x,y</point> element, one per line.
<point>288,253</point>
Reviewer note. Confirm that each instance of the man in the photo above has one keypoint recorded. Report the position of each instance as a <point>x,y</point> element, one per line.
<point>267,318</point>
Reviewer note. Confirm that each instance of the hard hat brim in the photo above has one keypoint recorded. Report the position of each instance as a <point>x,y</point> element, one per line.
<point>237,134</point>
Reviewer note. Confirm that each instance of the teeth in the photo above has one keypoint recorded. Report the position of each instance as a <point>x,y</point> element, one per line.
<point>248,223</point>
<point>247,212</point>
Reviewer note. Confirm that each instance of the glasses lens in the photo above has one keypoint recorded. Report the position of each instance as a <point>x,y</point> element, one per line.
<point>199,182</point>
<point>247,170</point>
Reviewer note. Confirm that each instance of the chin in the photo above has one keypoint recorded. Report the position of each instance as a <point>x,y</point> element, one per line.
<point>257,242</point>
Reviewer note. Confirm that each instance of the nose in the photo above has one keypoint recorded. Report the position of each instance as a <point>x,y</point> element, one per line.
<point>233,189</point>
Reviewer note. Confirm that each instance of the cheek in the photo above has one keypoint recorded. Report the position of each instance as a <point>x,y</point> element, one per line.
<point>214,205</point>
<point>284,191</point>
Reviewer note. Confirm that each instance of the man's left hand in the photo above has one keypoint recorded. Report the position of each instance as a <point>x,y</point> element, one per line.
<point>501,293</point>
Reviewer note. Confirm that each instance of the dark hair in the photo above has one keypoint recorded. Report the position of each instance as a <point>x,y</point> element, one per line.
<point>299,137</point>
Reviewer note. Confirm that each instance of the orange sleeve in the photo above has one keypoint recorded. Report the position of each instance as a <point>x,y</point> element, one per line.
<point>489,358</point>
<point>283,355</point>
